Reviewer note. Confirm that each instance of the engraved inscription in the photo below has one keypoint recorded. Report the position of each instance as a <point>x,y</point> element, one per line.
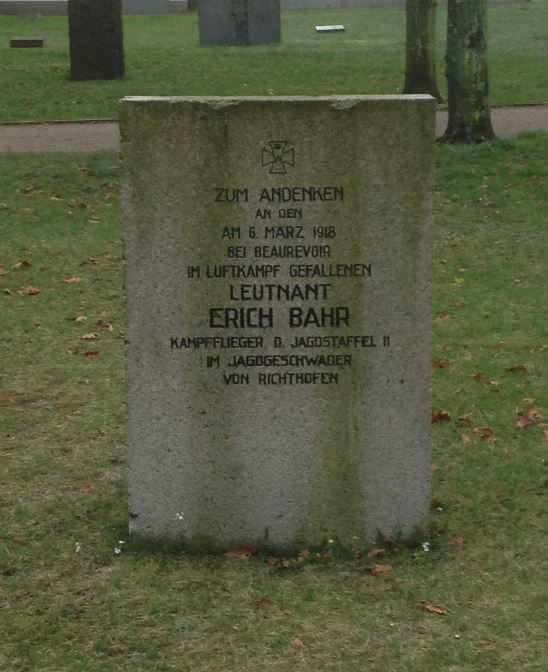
<point>287,297</point>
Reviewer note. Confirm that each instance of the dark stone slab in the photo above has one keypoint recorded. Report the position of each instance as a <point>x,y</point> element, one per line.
<point>27,42</point>
<point>96,39</point>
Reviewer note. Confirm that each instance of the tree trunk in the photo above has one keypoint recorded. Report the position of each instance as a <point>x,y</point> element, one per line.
<point>466,71</point>
<point>420,48</point>
<point>96,39</point>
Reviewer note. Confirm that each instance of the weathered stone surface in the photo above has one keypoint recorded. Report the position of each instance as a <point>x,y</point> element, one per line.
<point>278,294</point>
<point>239,22</point>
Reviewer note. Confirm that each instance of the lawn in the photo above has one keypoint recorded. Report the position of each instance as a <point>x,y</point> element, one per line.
<point>163,58</point>
<point>77,594</point>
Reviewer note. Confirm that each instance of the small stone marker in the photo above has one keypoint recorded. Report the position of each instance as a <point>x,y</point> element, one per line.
<point>278,287</point>
<point>27,42</point>
<point>330,29</point>
<point>239,22</point>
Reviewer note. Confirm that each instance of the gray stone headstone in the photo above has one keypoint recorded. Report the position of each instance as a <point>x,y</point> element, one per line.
<point>278,317</point>
<point>239,22</point>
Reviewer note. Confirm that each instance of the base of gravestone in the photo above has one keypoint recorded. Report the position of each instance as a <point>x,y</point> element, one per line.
<point>239,22</point>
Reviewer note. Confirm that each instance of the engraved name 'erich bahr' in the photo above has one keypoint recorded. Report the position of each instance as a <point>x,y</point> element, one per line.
<point>257,317</point>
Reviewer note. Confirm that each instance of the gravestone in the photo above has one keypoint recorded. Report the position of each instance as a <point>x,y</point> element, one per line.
<point>239,22</point>
<point>27,42</point>
<point>96,39</point>
<point>278,317</point>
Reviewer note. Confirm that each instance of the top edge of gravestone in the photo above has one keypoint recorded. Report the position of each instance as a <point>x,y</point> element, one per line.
<point>236,100</point>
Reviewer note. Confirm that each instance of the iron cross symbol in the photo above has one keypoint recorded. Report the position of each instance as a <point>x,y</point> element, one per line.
<point>278,157</point>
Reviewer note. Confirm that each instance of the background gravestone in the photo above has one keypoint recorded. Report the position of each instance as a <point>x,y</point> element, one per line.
<point>96,39</point>
<point>239,22</point>
<point>278,295</point>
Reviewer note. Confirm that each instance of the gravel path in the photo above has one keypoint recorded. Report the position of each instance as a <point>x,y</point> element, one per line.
<point>97,136</point>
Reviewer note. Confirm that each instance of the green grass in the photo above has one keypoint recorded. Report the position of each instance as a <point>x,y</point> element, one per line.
<point>63,464</point>
<point>163,58</point>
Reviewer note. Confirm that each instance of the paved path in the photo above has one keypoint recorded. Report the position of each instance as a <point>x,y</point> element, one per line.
<point>96,136</point>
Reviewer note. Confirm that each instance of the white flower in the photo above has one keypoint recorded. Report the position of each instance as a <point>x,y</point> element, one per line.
<point>331,541</point>
<point>425,546</point>
<point>117,550</point>
<point>179,516</point>
<point>77,547</point>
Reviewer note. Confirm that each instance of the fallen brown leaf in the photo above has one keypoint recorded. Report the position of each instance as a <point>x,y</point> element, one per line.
<point>488,642</point>
<point>465,439</point>
<point>30,290</point>
<point>376,553</point>
<point>22,264</point>
<point>483,433</point>
<point>529,417</point>
<point>378,569</point>
<point>91,355</point>
<point>479,376</point>
<point>303,555</point>
<point>297,642</point>
<point>441,416</point>
<point>92,336</point>
<point>73,281</point>
<point>442,316</point>
<point>458,540</point>
<point>87,488</point>
<point>30,191</point>
<point>442,363</point>
<point>101,324</point>
<point>263,603</point>
<point>243,553</point>
<point>519,368</point>
<point>433,609</point>
<point>500,345</point>
<point>465,419</point>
